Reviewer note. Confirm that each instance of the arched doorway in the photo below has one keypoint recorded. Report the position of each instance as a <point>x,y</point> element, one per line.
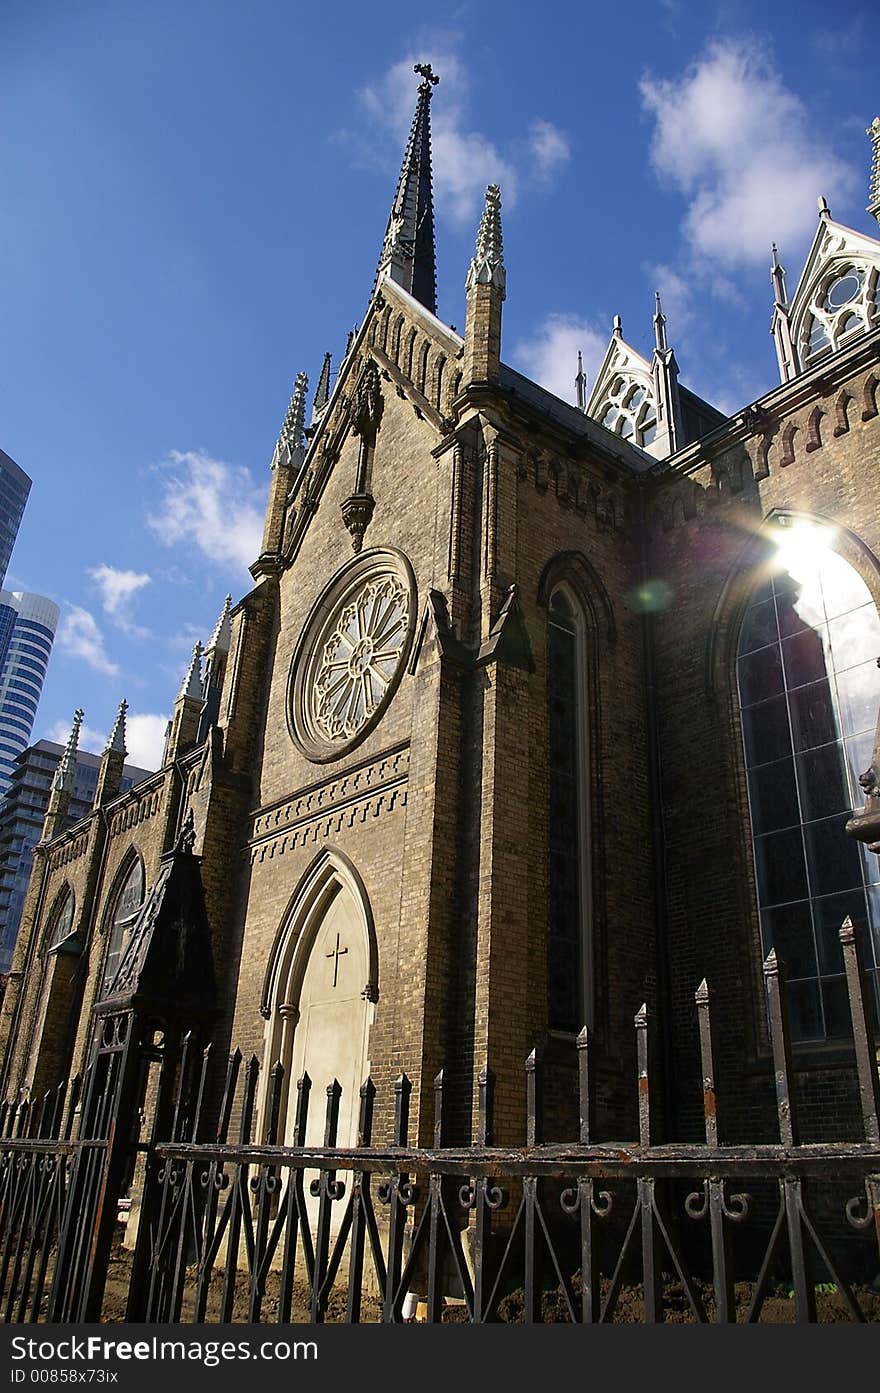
<point>320,987</point>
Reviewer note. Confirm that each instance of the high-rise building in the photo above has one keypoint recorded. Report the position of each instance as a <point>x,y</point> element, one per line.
<point>14,489</point>
<point>21,821</point>
<point>27,630</point>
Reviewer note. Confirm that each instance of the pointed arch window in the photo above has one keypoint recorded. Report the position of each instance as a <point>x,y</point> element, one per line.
<point>808,693</point>
<point>61,924</point>
<point>129,898</point>
<point>569,929</point>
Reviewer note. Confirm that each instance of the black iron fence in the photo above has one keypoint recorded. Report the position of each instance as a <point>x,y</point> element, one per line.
<point>244,1228</point>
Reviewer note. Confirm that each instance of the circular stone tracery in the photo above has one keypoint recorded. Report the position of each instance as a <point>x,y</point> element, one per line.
<point>351,654</point>
<point>359,658</point>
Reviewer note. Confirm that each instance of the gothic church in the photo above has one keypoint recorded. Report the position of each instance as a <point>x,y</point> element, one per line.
<point>534,713</point>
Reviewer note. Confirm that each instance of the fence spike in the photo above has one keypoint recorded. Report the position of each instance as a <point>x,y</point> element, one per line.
<point>365,1115</point>
<point>641,1025</point>
<point>438,1110</point>
<point>229,1088</point>
<point>485,1105</point>
<point>586,1101</point>
<point>303,1090</point>
<point>780,1042</point>
<point>273,1111</point>
<point>707,1060</point>
<point>533,1099</point>
<point>402,1091</point>
<point>863,1029</point>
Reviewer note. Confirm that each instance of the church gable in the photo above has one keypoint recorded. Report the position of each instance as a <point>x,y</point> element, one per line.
<point>623,398</point>
<point>838,295</point>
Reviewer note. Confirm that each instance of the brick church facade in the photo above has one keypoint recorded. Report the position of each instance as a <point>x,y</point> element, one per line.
<point>533,714</point>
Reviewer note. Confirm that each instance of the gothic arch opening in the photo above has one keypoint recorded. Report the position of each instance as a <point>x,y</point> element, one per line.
<point>319,992</point>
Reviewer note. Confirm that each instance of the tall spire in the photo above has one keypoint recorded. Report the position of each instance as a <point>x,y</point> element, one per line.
<point>873,132</point>
<point>192,683</point>
<point>660,341</point>
<point>580,384</point>
<point>408,252</point>
<point>486,287</point>
<point>222,633</point>
<point>65,774</point>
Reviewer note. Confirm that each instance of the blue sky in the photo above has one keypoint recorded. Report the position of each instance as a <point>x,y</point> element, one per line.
<point>194,196</point>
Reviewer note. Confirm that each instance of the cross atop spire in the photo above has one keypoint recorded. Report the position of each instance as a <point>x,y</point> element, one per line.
<point>408,252</point>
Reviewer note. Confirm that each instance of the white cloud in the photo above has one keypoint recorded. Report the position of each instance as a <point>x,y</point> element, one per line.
<point>80,636</point>
<point>550,355</point>
<point>90,740</point>
<point>117,587</point>
<point>145,740</point>
<point>738,143</point>
<point>550,148</point>
<point>463,160</point>
<point>213,505</point>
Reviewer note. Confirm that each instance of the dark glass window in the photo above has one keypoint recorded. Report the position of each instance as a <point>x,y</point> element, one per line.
<point>128,902</point>
<point>568,1007</point>
<point>809,692</point>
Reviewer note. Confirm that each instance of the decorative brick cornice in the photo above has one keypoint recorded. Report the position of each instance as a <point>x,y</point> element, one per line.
<point>346,794</point>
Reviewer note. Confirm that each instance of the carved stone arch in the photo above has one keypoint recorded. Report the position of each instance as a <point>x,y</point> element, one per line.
<point>573,569</point>
<point>384,327</point>
<point>396,337</point>
<point>317,1005</point>
<point>296,933</point>
<point>788,434</point>
<point>869,404</point>
<point>422,379</point>
<point>407,365</point>
<point>745,575</point>
<point>437,381</point>
<point>814,429</point>
<point>841,411</point>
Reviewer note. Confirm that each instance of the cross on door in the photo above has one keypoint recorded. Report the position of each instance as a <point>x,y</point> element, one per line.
<point>336,954</point>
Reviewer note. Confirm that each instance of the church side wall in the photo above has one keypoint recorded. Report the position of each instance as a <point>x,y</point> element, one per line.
<point>703,523</point>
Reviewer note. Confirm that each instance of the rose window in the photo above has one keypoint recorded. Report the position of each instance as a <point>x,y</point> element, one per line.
<point>359,659</point>
<point>351,654</point>
<point>629,411</point>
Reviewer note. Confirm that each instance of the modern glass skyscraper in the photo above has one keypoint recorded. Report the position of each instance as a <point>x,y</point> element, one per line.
<point>14,489</point>
<point>27,630</point>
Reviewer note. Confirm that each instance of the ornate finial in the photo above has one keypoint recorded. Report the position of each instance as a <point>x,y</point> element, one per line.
<point>617,326</point>
<point>368,404</point>
<point>352,335</point>
<point>873,132</point>
<point>824,210</point>
<point>322,395</point>
<point>580,384</point>
<point>290,439</point>
<point>487,266</point>
<point>222,634</point>
<point>777,279</point>
<point>116,739</point>
<point>659,325</point>
<point>65,774</point>
<point>431,79</point>
<point>192,682</point>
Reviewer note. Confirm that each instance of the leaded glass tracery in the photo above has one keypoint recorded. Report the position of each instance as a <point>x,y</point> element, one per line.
<point>808,689</point>
<point>845,301</point>
<point>62,925</point>
<point>629,410</point>
<point>128,902</point>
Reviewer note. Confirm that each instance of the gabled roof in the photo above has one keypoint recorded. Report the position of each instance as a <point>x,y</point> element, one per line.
<point>834,241</point>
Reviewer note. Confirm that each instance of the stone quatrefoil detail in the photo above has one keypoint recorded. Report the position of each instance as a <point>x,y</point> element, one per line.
<point>360,658</point>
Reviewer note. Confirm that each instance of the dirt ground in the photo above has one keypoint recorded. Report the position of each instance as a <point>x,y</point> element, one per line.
<point>778,1308</point>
